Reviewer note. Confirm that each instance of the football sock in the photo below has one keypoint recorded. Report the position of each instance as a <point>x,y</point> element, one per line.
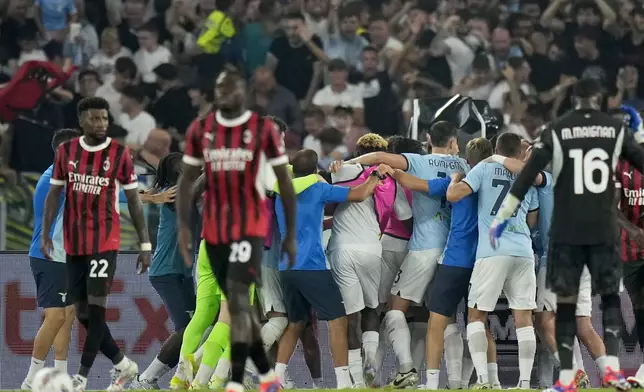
<point>214,347</point>
<point>343,377</point>
<point>639,326</point>
<point>400,339</point>
<point>370,345</point>
<point>468,368</point>
<point>545,366</point>
<point>493,374</point>
<point>640,373</point>
<point>527,349</point>
<point>577,359</point>
<point>453,355</point>
<point>432,378</point>
<point>477,343</point>
<point>612,320</point>
<point>34,367</point>
<point>601,364</point>
<point>280,370</point>
<point>355,366</point>
<point>223,368</point>
<point>60,365</point>
<point>156,370</point>
<point>272,331</point>
<point>203,375</point>
<point>417,334</point>
<point>383,347</point>
<point>565,329</point>
<point>238,353</point>
<point>95,328</point>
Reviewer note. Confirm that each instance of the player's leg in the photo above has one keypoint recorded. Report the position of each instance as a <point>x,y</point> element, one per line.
<point>214,347</point>
<point>492,366</point>
<point>488,277</point>
<point>409,285</point>
<point>170,289</point>
<point>344,269</point>
<point>417,316</point>
<point>634,285</point>
<point>586,332</point>
<point>311,350</point>
<point>563,273</point>
<point>272,302</point>
<point>443,335</point>
<point>368,267</point>
<point>520,289</point>
<point>63,338</point>
<point>51,289</point>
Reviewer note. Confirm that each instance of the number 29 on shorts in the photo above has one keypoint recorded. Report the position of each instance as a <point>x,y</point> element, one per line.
<point>240,252</point>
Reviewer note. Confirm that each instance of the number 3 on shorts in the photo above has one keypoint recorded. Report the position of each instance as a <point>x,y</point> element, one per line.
<point>240,252</point>
<point>98,268</point>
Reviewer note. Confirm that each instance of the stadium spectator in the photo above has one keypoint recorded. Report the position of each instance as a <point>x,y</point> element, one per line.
<point>339,92</point>
<point>110,50</point>
<point>124,74</point>
<point>276,100</point>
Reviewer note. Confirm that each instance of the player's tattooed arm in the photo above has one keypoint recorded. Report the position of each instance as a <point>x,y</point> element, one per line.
<point>396,161</point>
<point>51,209</point>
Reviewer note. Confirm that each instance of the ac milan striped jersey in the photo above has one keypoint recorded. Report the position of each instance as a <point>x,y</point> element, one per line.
<point>236,153</point>
<point>630,184</point>
<point>92,176</point>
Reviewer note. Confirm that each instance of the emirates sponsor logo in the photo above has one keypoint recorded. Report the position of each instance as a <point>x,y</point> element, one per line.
<point>85,183</point>
<point>635,196</point>
<point>228,159</point>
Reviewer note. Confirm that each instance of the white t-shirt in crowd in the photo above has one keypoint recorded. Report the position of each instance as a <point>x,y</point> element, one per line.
<point>319,27</point>
<point>34,55</point>
<point>351,97</point>
<point>459,58</point>
<point>138,127</point>
<point>481,92</point>
<point>394,44</point>
<point>499,91</point>
<point>146,62</point>
<point>104,64</point>
<point>517,129</point>
<point>312,143</point>
<point>113,97</point>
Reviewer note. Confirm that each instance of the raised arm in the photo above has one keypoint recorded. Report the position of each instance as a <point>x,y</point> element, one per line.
<point>411,182</point>
<point>395,161</point>
<point>49,215</point>
<point>364,190</point>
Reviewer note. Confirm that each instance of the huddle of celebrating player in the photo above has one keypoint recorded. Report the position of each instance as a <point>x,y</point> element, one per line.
<point>413,235</point>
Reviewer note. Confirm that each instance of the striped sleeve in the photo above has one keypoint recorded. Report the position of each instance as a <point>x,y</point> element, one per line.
<point>127,176</point>
<point>59,173</point>
<point>273,145</point>
<point>193,155</point>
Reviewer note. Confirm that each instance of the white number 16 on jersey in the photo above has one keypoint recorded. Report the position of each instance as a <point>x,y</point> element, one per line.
<point>585,166</point>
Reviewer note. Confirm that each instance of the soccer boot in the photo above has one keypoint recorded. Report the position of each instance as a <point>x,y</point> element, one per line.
<point>369,373</point>
<point>216,382</point>
<point>141,384</point>
<point>558,387</point>
<point>79,383</point>
<point>26,385</point>
<point>184,374</point>
<point>250,380</point>
<point>288,382</point>
<point>615,380</point>
<point>405,380</point>
<point>269,383</point>
<point>581,379</point>
<point>636,383</point>
<point>481,385</point>
<point>126,371</point>
<point>197,387</point>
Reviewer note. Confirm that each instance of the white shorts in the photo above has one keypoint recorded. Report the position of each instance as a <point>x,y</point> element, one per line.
<point>514,276</point>
<point>547,300</point>
<point>391,262</point>
<point>415,274</point>
<point>358,277</point>
<point>270,291</point>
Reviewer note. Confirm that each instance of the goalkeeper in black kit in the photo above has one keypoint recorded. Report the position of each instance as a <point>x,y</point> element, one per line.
<point>584,146</point>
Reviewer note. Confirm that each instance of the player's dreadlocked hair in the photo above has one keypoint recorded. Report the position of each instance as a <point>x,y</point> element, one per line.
<point>370,142</point>
<point>63,135</point>
<point>281,125</point>
<point>168,171</point>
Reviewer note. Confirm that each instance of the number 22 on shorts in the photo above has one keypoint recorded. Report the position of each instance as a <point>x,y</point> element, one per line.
<point>98,268</point>
<point>240,252</point>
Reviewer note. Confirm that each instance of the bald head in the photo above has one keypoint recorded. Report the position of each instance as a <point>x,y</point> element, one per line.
<point>264,80</point>
<point>304,163</point>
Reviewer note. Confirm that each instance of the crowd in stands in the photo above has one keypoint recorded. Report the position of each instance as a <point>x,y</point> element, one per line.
<point>332,70</point>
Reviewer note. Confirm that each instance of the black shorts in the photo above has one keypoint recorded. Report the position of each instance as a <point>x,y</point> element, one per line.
<point>634,282</point>
<point>566,262</point>
<point>240,260</point>
<point>449,287</point>
<point>51,283</point>
<point>308,290</point>
<point>177,292</point>
<point>90,275</point>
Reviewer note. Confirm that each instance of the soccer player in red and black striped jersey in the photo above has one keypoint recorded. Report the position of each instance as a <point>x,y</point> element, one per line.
<point>236,145</point>
<point>91,169</point>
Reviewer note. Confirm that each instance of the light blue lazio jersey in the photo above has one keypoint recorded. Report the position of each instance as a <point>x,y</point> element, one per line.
<point>492,181</point>
<point>271,256</point>
<point>546,204</point>
<point>167,258</point>
<point>432,214</point>
<point>40,194</point>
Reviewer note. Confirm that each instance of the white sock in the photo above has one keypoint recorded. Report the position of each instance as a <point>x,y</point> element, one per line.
<point>417,334</point>
<point>493,374</point>
<point>432,378</point>
<point>222,369</point>
<point>468,368</point>
<point>383,348</point>
<point>280,370</point>
<point>453,355</point>
<point>198,354</point>
<point>601,364</point>
<point>34,367</point>
<point>545,366</point>
<point>355,366</point>
<point>60,364</point>
<point>527,343</point>
<point>203,375</point>
<point>155,371</point>
<point>317,383</point>
<point>250,367</point>
<point>640,372</point>
<point>612,362</point>
<point>576,355</point>
<point>477,342</point>
<point>123,364</point>
<point>400,339</point>
<point>370,345</point>
<point>343,377</point>
<point>272,331</point>
<point>566,377</point>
